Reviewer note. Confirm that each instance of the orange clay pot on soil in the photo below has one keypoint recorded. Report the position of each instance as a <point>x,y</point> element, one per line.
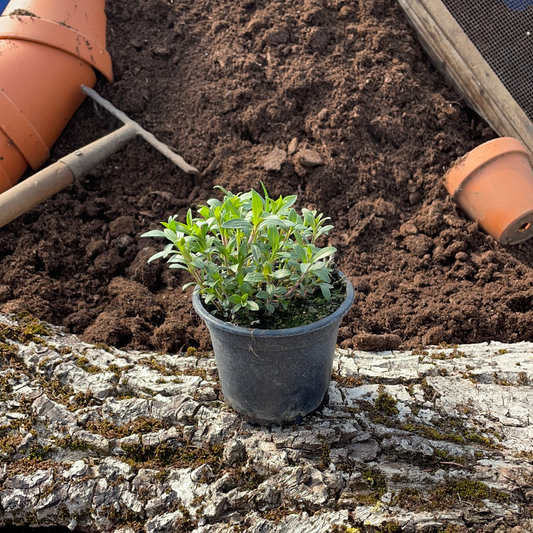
<point>493,184</point>
<point>48,49</point>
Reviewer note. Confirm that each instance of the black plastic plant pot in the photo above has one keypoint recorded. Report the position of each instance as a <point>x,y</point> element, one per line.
<point>275,376</point>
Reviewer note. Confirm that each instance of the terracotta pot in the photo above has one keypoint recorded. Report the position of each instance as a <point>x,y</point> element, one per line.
<point>493,184</point>
<point>44,60</point>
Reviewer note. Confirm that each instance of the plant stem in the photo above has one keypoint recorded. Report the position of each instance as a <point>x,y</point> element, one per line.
<point>295,286</point>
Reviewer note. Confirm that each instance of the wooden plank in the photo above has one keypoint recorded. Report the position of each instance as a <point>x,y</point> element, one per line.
<point>465,68</point>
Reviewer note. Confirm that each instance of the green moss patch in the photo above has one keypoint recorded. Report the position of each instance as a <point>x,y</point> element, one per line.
<point>447,495</point>
<point>386,404</point>
<point>377,487</point>
<point>177,456</point>
<point>452,431</point>
<point>28,329</point>
<point>141,426</point>
<point>86,365</point>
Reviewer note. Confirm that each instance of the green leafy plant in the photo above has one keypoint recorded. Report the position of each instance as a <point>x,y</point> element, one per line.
<point>249,253</point>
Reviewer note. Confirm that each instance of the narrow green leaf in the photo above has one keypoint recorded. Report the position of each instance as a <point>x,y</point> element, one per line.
<point>274,220</point>
<point>226,193</point>
<point>154,233</point>
<point>309,216</point>
<point>243,250</point>
<point>213,202</point>
<point>171,224</point>
<point>280,274</point>
<point>229,208</point>
<point>209,297</point>
<point>163,253</point>
<point>267,269</point>
<point>325,288</point>
<point>289,201</point>
<point>188,219</point>
<point>324,252</point>
<point>257,207</point>
<point>183,228</point>
<point>322,274</point>
<point>252,306</point>
<point>300,252</point>
<point>254,277</point>
<point>204,211</point>
<point>256,252</point>
<point>265,192</point>
<point>324,230</point>
<point>273,236</point>
<point>197,263</point>
<point>304,267</point>
<point>237,223</point>
<point>170,235</point>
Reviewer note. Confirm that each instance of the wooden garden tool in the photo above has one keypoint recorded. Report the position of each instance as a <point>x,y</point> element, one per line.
<point>47,182</point>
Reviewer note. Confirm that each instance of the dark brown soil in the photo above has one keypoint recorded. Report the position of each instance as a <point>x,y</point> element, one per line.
<point>225,83</point>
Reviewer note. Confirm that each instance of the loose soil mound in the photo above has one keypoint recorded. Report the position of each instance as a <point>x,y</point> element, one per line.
<point>367,126</point>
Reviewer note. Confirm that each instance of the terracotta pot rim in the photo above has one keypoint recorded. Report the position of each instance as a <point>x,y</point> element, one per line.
<point>477,158</point>
<point>65,38</point>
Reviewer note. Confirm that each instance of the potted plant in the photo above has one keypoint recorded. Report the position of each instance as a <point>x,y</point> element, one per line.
<point>270,296</point>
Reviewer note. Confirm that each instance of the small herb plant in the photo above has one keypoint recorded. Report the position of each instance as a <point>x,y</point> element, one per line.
<point>250,254</point>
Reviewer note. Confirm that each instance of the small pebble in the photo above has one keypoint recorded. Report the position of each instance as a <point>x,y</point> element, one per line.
<point>274,160</point>
<point>309,158</point>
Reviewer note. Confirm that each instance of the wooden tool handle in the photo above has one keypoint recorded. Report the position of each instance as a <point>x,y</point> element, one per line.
<point>52,179</point>
<point>34,190</point>
<point>47,182</point>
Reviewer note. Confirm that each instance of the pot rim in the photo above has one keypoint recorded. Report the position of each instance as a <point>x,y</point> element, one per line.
<point>53,34</point>
<point>273,333</point>
<point>477,158</point>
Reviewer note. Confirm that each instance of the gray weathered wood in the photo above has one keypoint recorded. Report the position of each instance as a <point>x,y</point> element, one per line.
<point>423,440</point>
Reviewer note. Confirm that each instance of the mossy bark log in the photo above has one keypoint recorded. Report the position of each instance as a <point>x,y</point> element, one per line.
<point>430,440</point>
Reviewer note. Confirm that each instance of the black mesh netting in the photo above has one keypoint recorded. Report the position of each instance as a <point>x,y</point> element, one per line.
<point>502,31</point>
